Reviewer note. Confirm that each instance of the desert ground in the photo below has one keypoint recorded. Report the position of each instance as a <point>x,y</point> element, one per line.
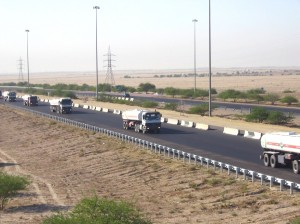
<point>66,164</point>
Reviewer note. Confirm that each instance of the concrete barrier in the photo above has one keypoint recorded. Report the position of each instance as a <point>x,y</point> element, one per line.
<point>76,105</point>
<point>86,107</point>
<point>231,131</point>
<point>131,99</point>
<point>202,126</point>
<point>252,134</point>
<point>98,108</point>
<point>105,110</point>
<point>117,111</point>
<point>163,119</point>
<point>187,123</point>
<point>92,107</point>
<point>173,121</point>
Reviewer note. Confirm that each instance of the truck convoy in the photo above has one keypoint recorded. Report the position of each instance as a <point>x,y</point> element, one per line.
<point>142,120</point>
<point>281,148</point>
<point>61,105</point>
<point>30,100</point>
<point>9,96</point>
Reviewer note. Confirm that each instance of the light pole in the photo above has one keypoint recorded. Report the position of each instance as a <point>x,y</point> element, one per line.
<point>195,73</point>
<point>27,31</point>
<point>96,7</point>
<point>209,92</point>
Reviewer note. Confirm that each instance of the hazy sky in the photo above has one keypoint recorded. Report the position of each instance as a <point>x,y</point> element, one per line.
<point>148,34</point>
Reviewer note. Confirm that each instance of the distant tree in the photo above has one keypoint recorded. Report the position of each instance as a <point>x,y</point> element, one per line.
<point>271,97</point>
<point>171,91</point>
<point>146,87</point>
<point>230,94</point>
<point>289,100</point>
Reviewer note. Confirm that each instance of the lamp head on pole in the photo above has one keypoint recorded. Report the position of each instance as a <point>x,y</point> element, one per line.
<point>194,20</point>
<point>96,7</point>
<point>27,31</point>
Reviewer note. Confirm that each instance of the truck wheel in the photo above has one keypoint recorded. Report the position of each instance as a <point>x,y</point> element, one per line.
<point>296,166</point>
<point>125,125</point>
<point>266,160</point>
<point>273,161</point>
<point>136,128</point>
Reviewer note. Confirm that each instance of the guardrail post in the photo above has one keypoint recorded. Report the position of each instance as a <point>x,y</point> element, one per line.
<point>207,163</point>
<point>237,172</point>
<point>155,148</point>
<point>292,188</point>
<point>201,161</point>
<point>271,181</point>
<point>229,168</point>
<point>159,149</point>
<point>164,148</point>
<point>281,185</point>
<point>221,167</point>
<point>189,155</point>
<point>262,179</point>
<point>245,174</point>
<point>178,154</point>
<point>168,151</point>
<point>253,175</point>
<point>173,151</point>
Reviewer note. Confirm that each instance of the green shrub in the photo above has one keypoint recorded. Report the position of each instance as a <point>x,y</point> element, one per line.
<point>276,117</point>
<point>9,187</point>
<point>97,210</point>
<point>171,106</point>
<point>199,109</point>
<point>289,100</point>
<point>258,114</point>
<point>149,104</point>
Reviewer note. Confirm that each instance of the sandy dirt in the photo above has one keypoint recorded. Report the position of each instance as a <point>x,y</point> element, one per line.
<point>66,164</point>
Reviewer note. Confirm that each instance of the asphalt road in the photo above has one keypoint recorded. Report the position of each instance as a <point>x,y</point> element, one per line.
<point>235,150</point>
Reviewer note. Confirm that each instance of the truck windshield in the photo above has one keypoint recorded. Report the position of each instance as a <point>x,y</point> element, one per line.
<point>33,98</point>
<point>66,101</point>
<point>12,94</point>
<point>152,116</point>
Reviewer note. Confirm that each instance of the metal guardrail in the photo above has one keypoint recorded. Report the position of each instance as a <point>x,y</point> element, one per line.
<point>176,154</point>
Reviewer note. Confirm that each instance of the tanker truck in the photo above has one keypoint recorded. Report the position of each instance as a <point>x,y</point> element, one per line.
<point>61,105</point>
<point>9,96</point>
<point>30,100</point>
<point>142,120</point>
<point>281,148</point>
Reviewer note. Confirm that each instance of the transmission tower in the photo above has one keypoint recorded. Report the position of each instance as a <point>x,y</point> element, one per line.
<point>109,79</point>
<point>20,64</point>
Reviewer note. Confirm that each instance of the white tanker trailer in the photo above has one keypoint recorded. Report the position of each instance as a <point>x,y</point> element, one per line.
<point>281,148</point>
<point>142,120</point>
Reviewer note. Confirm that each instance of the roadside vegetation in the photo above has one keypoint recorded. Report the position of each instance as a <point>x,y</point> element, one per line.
<point>10,186</point>
<point>99,210</point>
<point>254,96</point>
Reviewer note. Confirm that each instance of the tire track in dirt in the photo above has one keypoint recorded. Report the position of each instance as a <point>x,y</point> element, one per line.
<point>37,181</point>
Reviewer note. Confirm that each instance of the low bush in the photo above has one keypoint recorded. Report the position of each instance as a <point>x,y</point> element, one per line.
<point>10,186</point>
<point>97,210</point>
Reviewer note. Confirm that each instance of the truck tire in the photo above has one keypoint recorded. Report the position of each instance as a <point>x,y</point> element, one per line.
<point>273,161</point>
<point>125,125</point>
<point>295,165</point>
<point>137,128</point>
<point>266,160</point>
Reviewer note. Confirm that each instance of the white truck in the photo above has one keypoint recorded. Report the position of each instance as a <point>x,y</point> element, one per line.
<point>281,148</point>
<point>142,120</point>
<point>30,100</point>
<point>61,105</point>
<point>9,96</point>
